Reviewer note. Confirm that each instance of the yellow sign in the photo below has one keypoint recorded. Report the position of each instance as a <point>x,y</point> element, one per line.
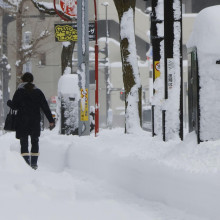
<point>84,112</point>
<point>157,69</point>
<point>68,32</point>
<point>65,32</point>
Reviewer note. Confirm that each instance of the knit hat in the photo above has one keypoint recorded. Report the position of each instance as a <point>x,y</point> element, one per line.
<point>27,77</point>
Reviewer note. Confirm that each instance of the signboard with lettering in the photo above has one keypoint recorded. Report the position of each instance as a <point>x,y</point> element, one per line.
<point>69,7</point>
<point>68,32</point>
<point>84,110</point>
<point>157,69</point>
<point>170,72</point>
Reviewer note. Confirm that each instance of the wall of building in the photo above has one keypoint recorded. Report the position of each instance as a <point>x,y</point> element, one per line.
<point>47,76</point>
<point>198,5</point>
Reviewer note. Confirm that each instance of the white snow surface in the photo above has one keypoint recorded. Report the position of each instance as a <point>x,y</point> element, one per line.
<point>206,32</point>
<point>112,176</point>
<point>68,84</point>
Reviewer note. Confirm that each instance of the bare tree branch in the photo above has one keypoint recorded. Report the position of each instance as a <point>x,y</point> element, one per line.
<point>8,3</point>
<point>43,8</point>
<point>32,49</point>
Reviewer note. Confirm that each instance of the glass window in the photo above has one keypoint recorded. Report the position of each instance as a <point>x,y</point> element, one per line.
<point>42,59</point>
<point>27,37</point>
<point>27,67</point>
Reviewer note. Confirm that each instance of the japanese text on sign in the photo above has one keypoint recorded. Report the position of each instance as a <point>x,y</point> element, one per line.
<point>65,33</point>
<point>68,32</point>
<point>170,72</point>
<point>84,112</point>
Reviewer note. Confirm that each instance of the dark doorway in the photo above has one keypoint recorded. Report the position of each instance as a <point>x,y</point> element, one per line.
<point>193,93</point>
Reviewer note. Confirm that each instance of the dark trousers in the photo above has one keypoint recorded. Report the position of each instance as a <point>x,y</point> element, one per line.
<point>34,145</point>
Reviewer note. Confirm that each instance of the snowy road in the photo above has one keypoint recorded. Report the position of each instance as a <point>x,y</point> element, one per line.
<point>114,176</point>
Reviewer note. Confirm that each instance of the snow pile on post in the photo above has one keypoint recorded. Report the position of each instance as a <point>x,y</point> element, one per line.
<point>206,31</point>
<point>68,93</point>
<point>205,37</point>
<point>68,83</point>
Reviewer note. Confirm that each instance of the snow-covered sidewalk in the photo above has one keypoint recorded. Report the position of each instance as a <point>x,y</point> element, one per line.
<point>114,176</point>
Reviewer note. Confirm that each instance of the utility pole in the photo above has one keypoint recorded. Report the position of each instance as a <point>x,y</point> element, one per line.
<point>155,41</point>
<point>6,19</point>
<point>83,66</point>
<point>166,38</point>
<point>96,73</point>
<point>168,53</point>
<point>107,73</point>
<point>173,63</point>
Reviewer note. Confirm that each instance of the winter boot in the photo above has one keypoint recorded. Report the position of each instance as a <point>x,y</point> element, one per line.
<point>26,158</point>
<point>34,159</point>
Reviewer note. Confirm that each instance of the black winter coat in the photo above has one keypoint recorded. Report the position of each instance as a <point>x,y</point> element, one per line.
<point>28,100</point>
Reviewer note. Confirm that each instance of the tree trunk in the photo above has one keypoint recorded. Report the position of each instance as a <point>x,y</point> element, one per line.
<point>130,80</point>
<point>67,52</point>
<point>19,55</point>
<point>66,56</point>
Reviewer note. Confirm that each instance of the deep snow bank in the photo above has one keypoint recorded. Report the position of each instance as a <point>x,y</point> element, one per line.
<point>181,175</point>
<point>147,168</point>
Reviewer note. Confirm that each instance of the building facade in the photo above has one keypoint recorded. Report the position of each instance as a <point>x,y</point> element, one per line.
<point>46,63</point>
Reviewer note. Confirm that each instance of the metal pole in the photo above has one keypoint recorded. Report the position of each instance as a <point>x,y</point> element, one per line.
<point>181,133</point>
<point>96,74</point>
<point>155,40</point>
<point>107,75</point>
<point>168,51</point>
<point>6,19</point>
<point>108,89</point>
<point>169,36</point>
<point>168,40</point>
<point>106,13</point>
<point>83,66</point>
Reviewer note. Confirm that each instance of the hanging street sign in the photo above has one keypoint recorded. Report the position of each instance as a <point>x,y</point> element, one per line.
<point>68,32</point>
<point>69,7</point>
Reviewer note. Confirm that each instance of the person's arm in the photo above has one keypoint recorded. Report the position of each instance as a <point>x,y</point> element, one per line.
<point>14,103</point>
<point>45,107</point>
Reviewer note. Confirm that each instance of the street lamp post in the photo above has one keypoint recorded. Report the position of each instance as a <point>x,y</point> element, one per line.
<point>96,74</point>
<point>156,50</point>
<point>83,66</point>
<point>107,73</point>
<point>6,19</point>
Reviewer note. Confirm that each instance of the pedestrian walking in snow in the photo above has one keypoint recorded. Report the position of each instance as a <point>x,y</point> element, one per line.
<point>28,100</point>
